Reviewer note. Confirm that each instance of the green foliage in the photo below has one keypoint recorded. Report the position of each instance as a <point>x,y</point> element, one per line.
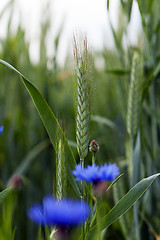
<point>4,194</point>
<point>49,120</point>
<point>124,204</point>
<point>25,145</point>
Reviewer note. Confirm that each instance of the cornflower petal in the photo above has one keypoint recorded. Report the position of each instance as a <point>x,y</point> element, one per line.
<point>1,129</point>
<point>60,213</point>
<point>91,173</point>
<point>36,214</point>
<point>95,173</point>
<point>79,172</point>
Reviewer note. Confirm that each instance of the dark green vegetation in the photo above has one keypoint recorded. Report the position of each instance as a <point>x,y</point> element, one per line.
<point>24,144</point>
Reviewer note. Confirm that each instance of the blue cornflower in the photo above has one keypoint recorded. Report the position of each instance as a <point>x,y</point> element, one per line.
<point>96,173</point>
<point>1,129</point>
<point>59,212</point>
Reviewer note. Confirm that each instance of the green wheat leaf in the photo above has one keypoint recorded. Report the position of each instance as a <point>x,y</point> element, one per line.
<point>50,122</point>
<point>4,194</point>
<point>124,204</point>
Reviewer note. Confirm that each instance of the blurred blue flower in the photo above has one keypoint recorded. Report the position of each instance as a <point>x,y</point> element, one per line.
<point>95,173</point>
<point>1,129</point>
<point>59,212</point>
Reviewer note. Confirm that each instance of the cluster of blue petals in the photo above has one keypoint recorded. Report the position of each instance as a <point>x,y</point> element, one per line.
<point>59,213</point>
<point>1,129</point>
<point>96,173</point>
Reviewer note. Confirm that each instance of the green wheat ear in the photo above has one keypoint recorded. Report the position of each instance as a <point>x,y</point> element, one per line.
<point>135,94</point>
<point>82,113</point>
<point>60,167</point>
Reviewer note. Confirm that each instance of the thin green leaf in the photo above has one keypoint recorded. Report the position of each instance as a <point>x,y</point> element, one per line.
<point>142,16</point>
<point>149,80</point>
<point>112,184</point>
<point>72,144</point>
<point>50,122</point>
<point>4,194</point>
<point>47,233</point>
<point>26,162</point>
<point>119,72</point>
<point>124,204</point>
<point>39,233</point>
<point>13,234</point>
<point>104,120</point>
<point>155,114</point>
<point>108,5</point>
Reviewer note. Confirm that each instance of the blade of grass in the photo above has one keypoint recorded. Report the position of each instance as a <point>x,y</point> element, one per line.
<point>124,204</point>
<point>104,121</point>
<point>119,72</point>
<point>112,184</point>
<point>26,162</point>
<point>108,5</point>
<point>50,122</point>
<point>4,194</point>
<point>149,80</point>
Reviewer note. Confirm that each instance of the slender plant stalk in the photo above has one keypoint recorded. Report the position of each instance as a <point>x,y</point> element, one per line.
<point>93,158</point>
<point>98,220</point>
<point>82,118</point>
<point>135,208</point>
<point>132,160</point>
<point>153,121</point>
<point>133,116</point>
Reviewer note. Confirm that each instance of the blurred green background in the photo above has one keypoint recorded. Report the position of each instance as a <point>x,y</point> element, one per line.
<point>24,144</point>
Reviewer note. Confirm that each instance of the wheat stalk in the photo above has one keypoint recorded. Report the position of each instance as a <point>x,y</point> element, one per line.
<point>133,115</point>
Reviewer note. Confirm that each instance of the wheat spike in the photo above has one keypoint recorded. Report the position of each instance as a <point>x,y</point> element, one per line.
<point>60,169</point>
<point>82,118</point>
<point>135,94</point>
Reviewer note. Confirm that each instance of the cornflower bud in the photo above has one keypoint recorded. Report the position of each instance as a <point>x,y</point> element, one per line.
<point>16,182</point>
<point>93,147</point>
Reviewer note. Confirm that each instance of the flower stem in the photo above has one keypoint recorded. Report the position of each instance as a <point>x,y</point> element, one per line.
<point>82,185</point>
<point>93,157</point>
<point>98,220</point>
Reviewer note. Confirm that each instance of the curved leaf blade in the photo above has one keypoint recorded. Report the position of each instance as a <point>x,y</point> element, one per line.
<point>124,204</point>
<point>50,122</point>
<point>28,160</point>
<point>4,194</point>
<point>103,120</point>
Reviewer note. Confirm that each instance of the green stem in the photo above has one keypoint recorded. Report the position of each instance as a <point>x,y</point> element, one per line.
<point>131,162</point>
<point>98,220</point>
<point>82,185</point>
<point>153,121</point>
<point>93,157</point>
<point>135,209</point>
